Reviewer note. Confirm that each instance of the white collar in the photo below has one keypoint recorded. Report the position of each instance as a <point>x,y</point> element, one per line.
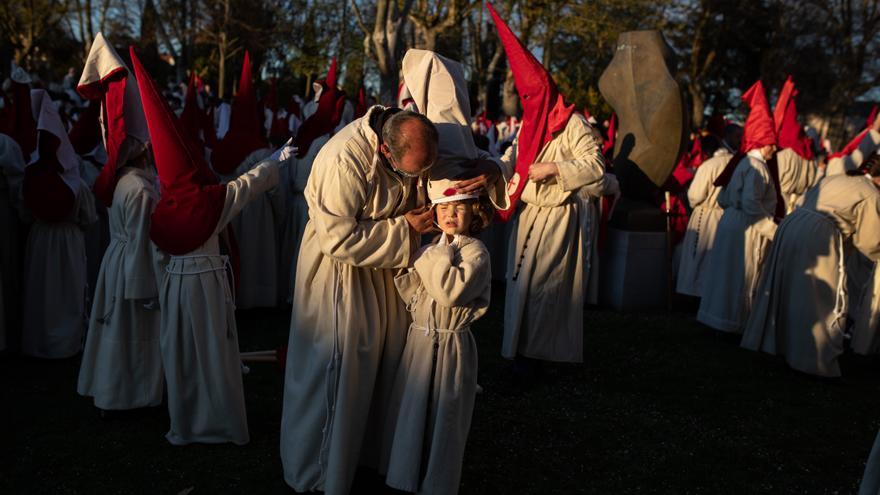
<point>756,153</point>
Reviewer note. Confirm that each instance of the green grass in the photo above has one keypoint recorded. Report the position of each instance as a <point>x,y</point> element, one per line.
<point>661,405</point>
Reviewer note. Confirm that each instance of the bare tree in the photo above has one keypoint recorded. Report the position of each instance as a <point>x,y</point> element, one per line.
<point>431,19</point>
<point>487,57</point>
<point>382,43</point>
<point>26,25</point>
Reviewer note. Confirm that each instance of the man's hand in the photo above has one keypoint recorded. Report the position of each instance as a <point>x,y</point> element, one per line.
<point>421,219</point>
<point>540,172</point>
<point>479,174</point>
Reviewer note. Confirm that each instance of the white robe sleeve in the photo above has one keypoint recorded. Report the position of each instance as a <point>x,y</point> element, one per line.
<point>853,161</point>
<point>247,187</point>
<point>586,166</point>
<point>866,237</point>
<point>341,194</point>
<point>497,191</point>
<point>140,277</point>
<point>452,284</point>
<point>755,186</point>
<point>701,187</point>
<point>85,214</point>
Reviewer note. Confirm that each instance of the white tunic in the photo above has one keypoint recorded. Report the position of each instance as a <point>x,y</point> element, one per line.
<point>11,176</point>
<point>121,366</point>
<point>348,325</point>
<point>55,277</point>
<point>434,392</point>
<point>294,178</point>
<point>796,176</point>
<point>741,244</point>
<point>801,308</point>
<point>255,233</point>
<point>199,339</point>
<point>866,333</point>
<point>97,235</point>
<point>871,479</point>
<point>703,224</point>
<point>854,160</point>
<point>548,261</point>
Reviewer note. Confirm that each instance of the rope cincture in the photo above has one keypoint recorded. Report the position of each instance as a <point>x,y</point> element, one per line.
<point>332,387</point>
<point>840,299</point>
<point>225,266</point>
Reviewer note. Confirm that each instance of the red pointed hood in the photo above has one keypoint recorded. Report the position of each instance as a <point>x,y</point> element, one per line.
<point>759,129</point>
<point>191,199</point>
<point>790,133</point>
<point>608,147</point>
<point>361,109</point>
<point>192,116</point>
<point>244,135</point>
<point>106,78</point>
<point>24,127</point>
<point>872,116</point>
<point>544,108</point>
<point>294,109</point>
<point>856,141</point>
<point>326,117</point>
<point>272,97</point>
<point>277,117</point>
<point>86,131</point>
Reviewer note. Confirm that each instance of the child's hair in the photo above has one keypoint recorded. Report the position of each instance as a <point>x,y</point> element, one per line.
<point>482,212</point>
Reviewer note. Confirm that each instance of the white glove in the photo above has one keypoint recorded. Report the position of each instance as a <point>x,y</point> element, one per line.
<point>284,152</point>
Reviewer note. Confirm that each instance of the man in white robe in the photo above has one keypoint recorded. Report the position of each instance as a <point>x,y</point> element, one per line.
<point>11,174</point>
<point>801,307</point>
<point>347,330</point>
<point>747,226</point>
<point>558,172</point>
<point>703,223</point>
<point>62,206</point>
<point>795,161</point>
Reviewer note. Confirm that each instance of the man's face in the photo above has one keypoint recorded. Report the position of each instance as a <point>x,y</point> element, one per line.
<point>417,159</point>
<point>768,151</point>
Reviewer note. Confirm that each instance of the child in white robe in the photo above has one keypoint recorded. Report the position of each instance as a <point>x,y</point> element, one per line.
<point>446,290</point>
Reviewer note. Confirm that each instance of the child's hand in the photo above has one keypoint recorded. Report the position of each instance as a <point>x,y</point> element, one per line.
<point>420,252</point>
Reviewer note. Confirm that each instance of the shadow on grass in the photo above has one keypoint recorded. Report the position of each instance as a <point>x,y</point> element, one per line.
<point>661,404</point>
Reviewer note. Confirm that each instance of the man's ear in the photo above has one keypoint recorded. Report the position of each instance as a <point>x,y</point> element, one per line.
<point>385,150</point>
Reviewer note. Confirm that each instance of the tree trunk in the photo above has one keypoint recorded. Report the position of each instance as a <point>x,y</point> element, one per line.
<point>221,67</point>
<point>382,43</point>
<point>509,97</point>
<point>698,104</point>
<point>222,48</point>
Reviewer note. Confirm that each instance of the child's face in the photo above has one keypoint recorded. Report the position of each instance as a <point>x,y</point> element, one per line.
<point>454,217</point>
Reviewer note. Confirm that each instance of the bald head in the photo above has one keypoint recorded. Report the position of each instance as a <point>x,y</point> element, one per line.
<point>410,142</point>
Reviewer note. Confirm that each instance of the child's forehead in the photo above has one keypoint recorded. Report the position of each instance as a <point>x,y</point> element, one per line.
<point>454,203</point>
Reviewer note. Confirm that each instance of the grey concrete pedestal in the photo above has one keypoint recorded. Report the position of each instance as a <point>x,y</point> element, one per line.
<point>634,272</point>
